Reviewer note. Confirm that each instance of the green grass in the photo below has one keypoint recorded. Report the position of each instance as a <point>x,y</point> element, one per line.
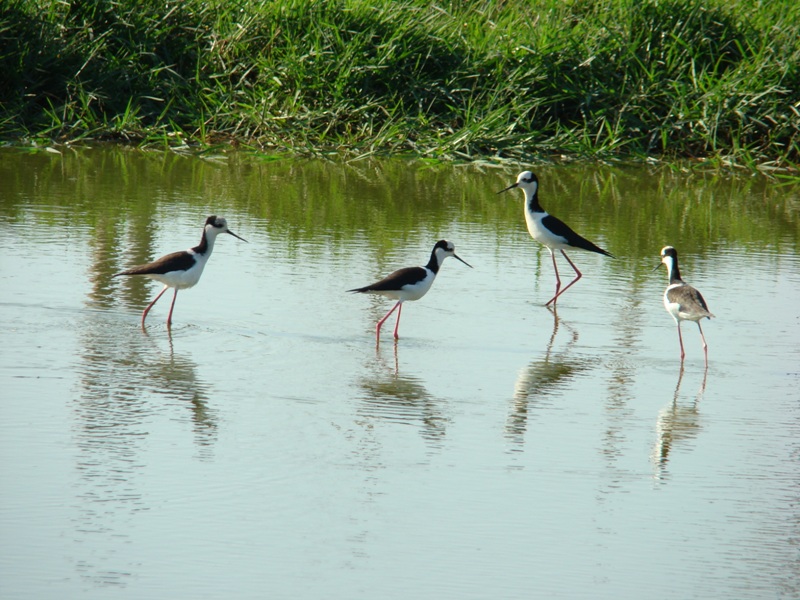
<point>712,81</point>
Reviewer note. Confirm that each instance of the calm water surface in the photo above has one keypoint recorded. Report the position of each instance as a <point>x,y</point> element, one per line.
<point>266,448</point>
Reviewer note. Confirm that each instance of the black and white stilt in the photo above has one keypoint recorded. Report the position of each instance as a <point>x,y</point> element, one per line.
<point>182,270</point>
<point>549,231</point>
<point>410,283</point>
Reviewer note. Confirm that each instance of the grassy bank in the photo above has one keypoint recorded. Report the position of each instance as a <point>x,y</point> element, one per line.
<point>715,80</point>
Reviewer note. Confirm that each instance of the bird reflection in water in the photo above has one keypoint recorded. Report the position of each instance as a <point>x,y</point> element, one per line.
<point>131,369</point>
<point>128,384</point>
<point>390,396</point>
<point>676,424</point>
<point>542,378</point>
<point>178,379</point>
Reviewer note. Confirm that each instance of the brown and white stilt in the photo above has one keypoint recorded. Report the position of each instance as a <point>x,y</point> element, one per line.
<point>683,301</point>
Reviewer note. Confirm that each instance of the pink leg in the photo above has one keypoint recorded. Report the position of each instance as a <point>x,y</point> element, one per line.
<point>702,337</point>
<point>558,281</point>
<point>680,340</point>
<point>397,323</point>
<point>171,307</point>
<point>383,320</point>
<point>149,306</point>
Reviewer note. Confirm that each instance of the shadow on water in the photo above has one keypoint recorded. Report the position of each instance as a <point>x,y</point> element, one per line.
<point>542,378</point>
<point>388,395</point>
<point>677,423</point>
<point>123,375</point>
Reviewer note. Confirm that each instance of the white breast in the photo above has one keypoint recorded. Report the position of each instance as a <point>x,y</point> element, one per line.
<point>182,280</point>
<point>673,308</point>
<point>541,234</point>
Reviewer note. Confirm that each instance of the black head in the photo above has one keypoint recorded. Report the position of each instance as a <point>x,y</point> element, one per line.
<point>219,225</point>
<point>442,249</point>
<point>669,257</point>
<point>444,245</point>
<point>525,180</point>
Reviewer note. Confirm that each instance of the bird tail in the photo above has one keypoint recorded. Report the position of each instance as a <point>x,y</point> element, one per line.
<point>595,248</point>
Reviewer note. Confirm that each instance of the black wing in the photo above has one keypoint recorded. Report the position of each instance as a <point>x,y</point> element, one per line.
<point>177,261</point>
<point>395,281</point>
<point>558,227</point>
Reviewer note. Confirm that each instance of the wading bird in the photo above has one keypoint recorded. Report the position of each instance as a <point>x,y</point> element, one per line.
<point>681,300</point>
<point>410,283</point>
<point>182,270</point>
<point>549,231</point>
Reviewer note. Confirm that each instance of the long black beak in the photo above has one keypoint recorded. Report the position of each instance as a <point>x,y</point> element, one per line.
<point>511,187</point>
<point>236,236</point>
<point>657,267</point>
<point>462,260</point>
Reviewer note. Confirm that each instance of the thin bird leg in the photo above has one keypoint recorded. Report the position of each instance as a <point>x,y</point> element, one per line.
<point>570,284</point>
<point>680,339</point>
<point>381,322</point>
<point>702,337</point>
<point>149,306</point>
<point>397,323</point>
<point>172,306</point>
<point>558,279</point>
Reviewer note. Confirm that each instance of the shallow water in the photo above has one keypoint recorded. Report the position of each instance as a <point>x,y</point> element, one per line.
<point>265,447</point>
